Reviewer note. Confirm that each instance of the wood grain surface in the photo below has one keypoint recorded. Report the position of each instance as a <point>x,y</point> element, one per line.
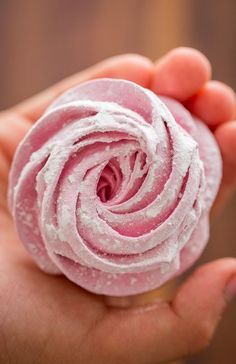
<point>43,41</point>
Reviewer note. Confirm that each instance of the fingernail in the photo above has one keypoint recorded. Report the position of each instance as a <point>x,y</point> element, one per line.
<point>230,290</point>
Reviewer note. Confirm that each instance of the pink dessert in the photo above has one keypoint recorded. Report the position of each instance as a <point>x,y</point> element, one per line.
<point>112,187</point>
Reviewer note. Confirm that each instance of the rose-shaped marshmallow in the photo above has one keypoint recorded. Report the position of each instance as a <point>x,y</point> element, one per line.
<point>113,186</point>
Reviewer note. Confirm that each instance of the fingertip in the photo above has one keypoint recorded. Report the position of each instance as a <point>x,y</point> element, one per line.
<point>181,73</point>
<point>215,103</point>
<point>225,135</point>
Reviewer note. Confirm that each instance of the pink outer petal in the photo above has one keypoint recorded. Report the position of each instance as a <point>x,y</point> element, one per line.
<point>208,147</point>
<point>158,167</point>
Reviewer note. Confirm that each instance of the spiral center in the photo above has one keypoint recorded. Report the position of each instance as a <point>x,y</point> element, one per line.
<point>109,181</point>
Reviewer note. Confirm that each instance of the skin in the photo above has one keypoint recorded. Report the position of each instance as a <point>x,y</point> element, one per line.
<point>47,319</point>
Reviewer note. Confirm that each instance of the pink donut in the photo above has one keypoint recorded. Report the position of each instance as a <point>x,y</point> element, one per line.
<point>112,187</point>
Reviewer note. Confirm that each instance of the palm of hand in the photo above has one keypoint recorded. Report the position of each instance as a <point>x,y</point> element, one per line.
<point>48,319</point>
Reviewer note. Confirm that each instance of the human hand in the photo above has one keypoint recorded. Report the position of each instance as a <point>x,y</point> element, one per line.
<point>47,319</point>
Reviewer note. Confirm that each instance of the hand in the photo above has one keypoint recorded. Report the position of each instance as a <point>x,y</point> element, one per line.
<point>47,319</point>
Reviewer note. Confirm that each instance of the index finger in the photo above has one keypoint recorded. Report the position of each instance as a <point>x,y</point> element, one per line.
<point>131,67</point>
<point>19,118</point>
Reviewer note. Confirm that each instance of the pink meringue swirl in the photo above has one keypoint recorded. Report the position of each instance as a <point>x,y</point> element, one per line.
<point>112,187</point>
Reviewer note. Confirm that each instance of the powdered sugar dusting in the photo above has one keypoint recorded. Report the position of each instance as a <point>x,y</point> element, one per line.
<point>113,188</point>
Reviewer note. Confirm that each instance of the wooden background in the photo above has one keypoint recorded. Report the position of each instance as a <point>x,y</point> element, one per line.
<point>43,41</point>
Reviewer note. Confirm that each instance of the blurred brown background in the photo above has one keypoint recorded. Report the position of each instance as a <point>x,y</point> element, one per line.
<point>43,41</point>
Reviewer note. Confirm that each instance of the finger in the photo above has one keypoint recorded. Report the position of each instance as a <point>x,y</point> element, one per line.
<point>181,73</point>
<point>12,129</point>
<point>131,67</point>
<point>181,328</point>
<point>215,103</point>
<point>19,119</point>
<point>202,300</point>
<point>225,135</point>
<point>4,168</point>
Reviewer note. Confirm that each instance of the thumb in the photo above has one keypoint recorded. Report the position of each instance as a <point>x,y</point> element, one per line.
<point>176,329</point>
<point>201,300</point>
